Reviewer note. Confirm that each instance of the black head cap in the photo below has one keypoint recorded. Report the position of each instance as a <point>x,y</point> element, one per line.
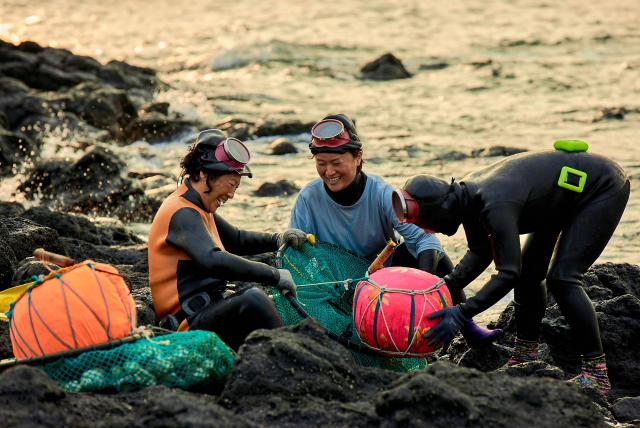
<point>354,139</point>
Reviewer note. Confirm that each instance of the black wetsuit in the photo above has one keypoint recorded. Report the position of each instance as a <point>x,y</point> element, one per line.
<point>521,195</point>
<point>185,262</point>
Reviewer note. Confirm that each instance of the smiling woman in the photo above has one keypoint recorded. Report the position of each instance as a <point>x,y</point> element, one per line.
<point>192,250</point>
<point>346,207</point>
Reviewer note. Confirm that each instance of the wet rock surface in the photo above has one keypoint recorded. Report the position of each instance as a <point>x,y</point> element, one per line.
<point>15,148</point>
<point>282,146</point>
<point>41,86</point>
<point>94,184</point>
<point>297,375</point>
<point>627,410</point>
<point>386,67</point>
<point>279,188</point>
<point>493,151</point>
<point>243,129</point>
<point>29,398</point>
<point>615,291</point>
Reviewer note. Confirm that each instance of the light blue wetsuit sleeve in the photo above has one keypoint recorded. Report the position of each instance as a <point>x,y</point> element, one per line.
<point>416,239</point>
<point>301,215</point>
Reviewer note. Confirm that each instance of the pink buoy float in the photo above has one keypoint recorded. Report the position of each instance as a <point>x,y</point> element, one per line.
<point>390,310</point>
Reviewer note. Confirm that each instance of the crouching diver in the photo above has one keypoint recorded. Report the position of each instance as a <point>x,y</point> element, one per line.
<point>192,249</point>
<point>349,208</point>
<point>567,200</point>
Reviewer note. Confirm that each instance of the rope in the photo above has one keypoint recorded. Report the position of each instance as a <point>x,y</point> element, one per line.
<point>107,330</point>
<point>379,305</point>
<point>344,282</point>
<point>66,289</point>
<point>145,332</point>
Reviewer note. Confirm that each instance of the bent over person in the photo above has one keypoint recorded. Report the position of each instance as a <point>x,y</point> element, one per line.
<point>570,203</point>
<point>193,250</point>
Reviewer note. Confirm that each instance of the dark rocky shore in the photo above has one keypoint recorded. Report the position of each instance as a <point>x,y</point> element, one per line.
<point>290,377</point>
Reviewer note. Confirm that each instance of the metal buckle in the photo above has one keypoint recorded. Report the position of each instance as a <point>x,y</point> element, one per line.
<point>564,176</point>
<point>191,306</point>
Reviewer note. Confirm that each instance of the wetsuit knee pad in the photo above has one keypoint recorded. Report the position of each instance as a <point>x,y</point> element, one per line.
<point>256,302</point>
<point>256,298</point>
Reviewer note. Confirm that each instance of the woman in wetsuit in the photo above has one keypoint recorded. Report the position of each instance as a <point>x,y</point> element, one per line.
<point>193,250</point>
<point>567,200</point>
<point>349,208</point>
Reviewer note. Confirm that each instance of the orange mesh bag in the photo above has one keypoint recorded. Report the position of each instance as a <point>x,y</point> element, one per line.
<point>72,308</point>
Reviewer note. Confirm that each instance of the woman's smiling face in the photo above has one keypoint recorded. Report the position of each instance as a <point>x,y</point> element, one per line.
<point>337,170</point>
<point>223,188</point>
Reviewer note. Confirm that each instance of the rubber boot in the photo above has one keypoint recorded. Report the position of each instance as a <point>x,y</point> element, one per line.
<point>524,351</point>
<point>477,337</point>
<point>594,375</point>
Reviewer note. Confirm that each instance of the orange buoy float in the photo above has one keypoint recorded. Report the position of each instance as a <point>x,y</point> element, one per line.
<point>390,310</point>
<point>72,308</point>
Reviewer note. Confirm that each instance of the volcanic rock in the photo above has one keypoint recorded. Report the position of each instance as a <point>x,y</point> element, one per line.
<point>271,383</point>
<point>279,188</point>
<point>79,226</point>
<point>445,396</point>
<point>22,236</point>
<point>42,89</point>
<point>104,107</point>
<point>386,67</point>
<point>615,291</point>
<point>236,127</point>
<point>154,127</point>
<point>95,184</point>
<point>278,127</point>
<point>15,149</point>
<point>271,380</point>
<point>496,151</point>
<point>627,410</point>
<point>8,262</point>
<point>610,113</point>
<point>282,146</point>
<point>18,238</point>
<point>10,209</point>
<point>29,398</point>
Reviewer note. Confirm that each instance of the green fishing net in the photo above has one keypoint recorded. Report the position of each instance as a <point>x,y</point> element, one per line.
<point>180,360</point>
<point>326,276</point>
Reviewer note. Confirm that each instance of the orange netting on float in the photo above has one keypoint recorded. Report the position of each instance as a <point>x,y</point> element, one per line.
<point>72,308</point>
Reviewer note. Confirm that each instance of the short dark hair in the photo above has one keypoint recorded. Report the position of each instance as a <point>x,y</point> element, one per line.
<point>191,165</point>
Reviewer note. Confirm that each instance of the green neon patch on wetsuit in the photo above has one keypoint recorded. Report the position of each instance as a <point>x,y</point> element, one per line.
<point>563,180</point>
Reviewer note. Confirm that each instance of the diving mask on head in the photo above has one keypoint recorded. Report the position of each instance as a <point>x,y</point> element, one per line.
<point>222,154</point>
<point>428,202</point>
<point>405,206</point>
<point>334,134</point>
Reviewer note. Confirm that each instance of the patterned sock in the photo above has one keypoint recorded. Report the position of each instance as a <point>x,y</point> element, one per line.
<point>594,375</point>
<point>523,352</point>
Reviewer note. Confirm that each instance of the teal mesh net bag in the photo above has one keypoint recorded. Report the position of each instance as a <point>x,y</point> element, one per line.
<point>326,276</point>
<point>180,360</point>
